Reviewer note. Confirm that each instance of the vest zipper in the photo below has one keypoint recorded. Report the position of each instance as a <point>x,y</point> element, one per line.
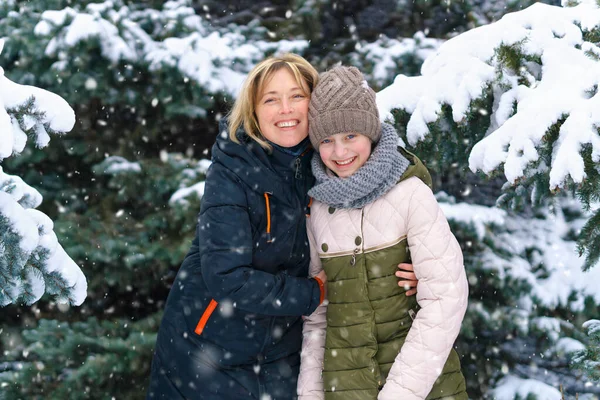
<point>412,314</point>
<point>353,259</point>
<point>358,247</point>
<point>376,368</point>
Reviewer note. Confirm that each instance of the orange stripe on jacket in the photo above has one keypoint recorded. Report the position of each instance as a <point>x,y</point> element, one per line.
<point>269,240</point>
<point>205,316</point>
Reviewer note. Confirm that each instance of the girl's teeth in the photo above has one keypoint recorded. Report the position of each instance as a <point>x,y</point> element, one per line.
<point>344,162</point>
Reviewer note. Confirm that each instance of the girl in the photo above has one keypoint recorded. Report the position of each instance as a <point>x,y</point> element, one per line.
<point>373,209</point>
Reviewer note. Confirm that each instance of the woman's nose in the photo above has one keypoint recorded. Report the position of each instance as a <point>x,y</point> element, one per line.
<point>286,107</point>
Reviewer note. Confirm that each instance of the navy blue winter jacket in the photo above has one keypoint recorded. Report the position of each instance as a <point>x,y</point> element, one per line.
<point>243,286</point>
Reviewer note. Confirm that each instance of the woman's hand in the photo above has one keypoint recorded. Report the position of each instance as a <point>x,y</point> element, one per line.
<point>408,279</point>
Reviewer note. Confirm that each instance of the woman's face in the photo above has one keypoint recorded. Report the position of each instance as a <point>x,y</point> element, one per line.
<point>345,153</point>
<point>282,110</point>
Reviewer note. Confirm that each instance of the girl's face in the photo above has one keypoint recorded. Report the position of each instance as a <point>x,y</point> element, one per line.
<point>345,153</point>
<point>282,110</point>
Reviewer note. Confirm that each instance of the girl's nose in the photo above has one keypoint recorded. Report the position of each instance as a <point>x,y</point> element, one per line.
<point>339,149</point>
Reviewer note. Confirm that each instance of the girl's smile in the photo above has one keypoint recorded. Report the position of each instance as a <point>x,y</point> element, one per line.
<point>345,153</point>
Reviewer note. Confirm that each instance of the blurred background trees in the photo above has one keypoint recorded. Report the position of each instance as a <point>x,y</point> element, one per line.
<point>149,81</point>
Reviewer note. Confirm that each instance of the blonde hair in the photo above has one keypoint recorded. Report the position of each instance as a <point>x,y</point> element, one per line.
<point>243,112</point>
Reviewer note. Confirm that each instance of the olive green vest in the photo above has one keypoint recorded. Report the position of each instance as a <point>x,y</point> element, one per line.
<point>368,318</point>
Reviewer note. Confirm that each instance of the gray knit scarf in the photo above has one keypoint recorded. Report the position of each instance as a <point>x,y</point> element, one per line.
<point>376,177</point>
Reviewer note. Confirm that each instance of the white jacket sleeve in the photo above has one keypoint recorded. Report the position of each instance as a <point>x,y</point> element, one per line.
<point>310,381</point>
<point>442,293</point>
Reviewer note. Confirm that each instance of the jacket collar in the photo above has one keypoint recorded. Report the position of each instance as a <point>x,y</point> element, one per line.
<point>259,169</point>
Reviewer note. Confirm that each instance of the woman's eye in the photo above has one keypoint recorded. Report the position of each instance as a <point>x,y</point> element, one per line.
<point>299,96</point>
<point>269,100</point>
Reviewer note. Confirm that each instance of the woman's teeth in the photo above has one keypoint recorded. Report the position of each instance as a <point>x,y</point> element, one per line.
<point>287,124</point>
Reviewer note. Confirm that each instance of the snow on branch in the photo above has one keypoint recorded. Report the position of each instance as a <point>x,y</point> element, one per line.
<point>217,61</point>
<point>20,192</point>
<point>588,359</point>
<point>32,262</point>
<point>540,252</point>
<point>511,387</point>
<point>32,110</point>
<point>385,54</point>
<point>542,67</point>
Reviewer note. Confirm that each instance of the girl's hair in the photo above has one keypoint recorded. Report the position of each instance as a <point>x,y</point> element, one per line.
<point>243,112</point>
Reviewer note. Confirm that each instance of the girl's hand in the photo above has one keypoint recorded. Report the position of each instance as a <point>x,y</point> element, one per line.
<point>408,279</point>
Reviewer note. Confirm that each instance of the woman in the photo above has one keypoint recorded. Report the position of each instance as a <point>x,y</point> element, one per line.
<point>232,327</point>
<point>374,208</point>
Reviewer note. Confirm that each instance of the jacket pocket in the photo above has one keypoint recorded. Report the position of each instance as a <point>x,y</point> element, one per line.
<point>205,316</point>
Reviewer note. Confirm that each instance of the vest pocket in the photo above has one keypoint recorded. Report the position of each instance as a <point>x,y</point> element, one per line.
<point>205,316</point>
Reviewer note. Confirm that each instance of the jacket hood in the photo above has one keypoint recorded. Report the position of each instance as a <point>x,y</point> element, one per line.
<point>416,168</point>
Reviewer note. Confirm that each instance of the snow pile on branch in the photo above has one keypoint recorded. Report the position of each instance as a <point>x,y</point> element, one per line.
<point>557,82</point>
<point>478,217</point>
<point>511,387</point>
<point>532,262</point>
<point>217,61</point>
<point>386,54</point>
<point>540,252</point>
<point>52,114</point>
<point>32,261</point>
<point>189,187</point>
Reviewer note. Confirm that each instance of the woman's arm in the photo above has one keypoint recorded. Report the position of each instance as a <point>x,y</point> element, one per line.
<point>442,293</point>
<point>310,381</point>
<point>225,255</point>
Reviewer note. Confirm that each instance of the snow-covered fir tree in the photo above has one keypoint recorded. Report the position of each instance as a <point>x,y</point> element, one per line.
<point>32,262</point>
<point>149,82</point>
<point>534,80</point>
<point>517,100</point>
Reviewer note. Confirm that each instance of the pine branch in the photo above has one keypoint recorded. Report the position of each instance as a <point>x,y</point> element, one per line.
<point>589,241</point>
<point>588,360</point>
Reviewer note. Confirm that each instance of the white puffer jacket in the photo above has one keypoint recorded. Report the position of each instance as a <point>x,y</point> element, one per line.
<point>408,210</point>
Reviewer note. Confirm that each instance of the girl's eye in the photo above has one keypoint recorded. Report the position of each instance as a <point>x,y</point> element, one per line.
<point>351,136</point>
<point>325,141</point>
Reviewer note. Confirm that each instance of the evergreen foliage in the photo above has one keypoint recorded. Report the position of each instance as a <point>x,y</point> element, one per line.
<point>134,230</point>
<point>589,359</point>
<point>519,316</point>
<point>124,187</point>
<point>521,312</point>
<point>535,167</point>
<point>32,262</point>
<point>81,360</point>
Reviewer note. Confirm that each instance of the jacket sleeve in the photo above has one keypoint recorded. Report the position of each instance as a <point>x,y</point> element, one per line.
<point>442,293</point>
<point>310,381</point>
<point>225,248</point>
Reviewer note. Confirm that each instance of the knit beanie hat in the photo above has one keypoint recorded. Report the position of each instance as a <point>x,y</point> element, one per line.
<point>342,102</point>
